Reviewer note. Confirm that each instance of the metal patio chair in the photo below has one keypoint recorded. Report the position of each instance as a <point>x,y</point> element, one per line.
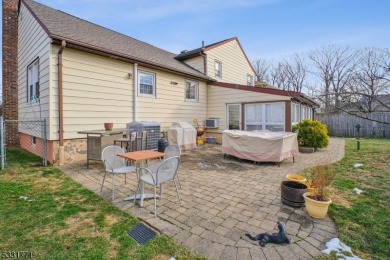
<point>166,171</point>
<point>170,151</point>
<point>115,165</point>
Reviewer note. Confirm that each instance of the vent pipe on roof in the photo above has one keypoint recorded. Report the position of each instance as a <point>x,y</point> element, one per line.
<point>201,53</point>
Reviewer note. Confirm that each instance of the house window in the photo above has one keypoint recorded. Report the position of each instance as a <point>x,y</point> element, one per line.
<point>191,90</point>
<point>33,81</point>
<point>254,117</point>
<point>265,116</point>
<point>295,113</point>
<point>146,84</point>
<point>218,69</point>
<point>249,80</point>
<point>34,140</point>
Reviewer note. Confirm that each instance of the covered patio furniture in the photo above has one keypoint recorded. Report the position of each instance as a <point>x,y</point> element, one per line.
<point>115,165</point>
<point>260,146</point>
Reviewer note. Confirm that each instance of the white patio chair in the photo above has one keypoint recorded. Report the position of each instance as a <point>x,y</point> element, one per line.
<point>170,151</point>
<point>166,171</point>
<point>115,165</point>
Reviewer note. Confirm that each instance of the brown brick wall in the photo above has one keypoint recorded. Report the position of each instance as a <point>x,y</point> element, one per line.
<point>10,68</point>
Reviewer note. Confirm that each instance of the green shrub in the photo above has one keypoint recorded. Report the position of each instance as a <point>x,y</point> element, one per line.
<point>312,133</point>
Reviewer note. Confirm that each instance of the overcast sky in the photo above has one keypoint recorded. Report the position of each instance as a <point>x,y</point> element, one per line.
<point>266,28</point>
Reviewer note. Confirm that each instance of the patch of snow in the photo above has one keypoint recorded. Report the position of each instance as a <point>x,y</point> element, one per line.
<point>358,191</point>
<point>357,165</point>
<point>339,247</point>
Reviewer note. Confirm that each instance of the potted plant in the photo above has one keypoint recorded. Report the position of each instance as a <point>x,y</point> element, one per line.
<point>312,134</point>
<point>316,201</point>
<point>108,126</point>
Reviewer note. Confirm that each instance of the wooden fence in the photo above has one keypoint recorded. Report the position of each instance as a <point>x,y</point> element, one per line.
<point>343,124</point>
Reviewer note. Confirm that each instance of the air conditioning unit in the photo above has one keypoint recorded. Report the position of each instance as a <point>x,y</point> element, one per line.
<point>212,123</point>
<point>153,132</point>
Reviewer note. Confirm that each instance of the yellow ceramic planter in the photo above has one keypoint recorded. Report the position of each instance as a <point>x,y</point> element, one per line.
<point>297,178</point>
<point>315,208</point>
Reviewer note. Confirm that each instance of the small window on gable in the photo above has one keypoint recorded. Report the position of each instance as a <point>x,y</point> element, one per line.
<point>191,90</point>
<point>33,81</point>
<point>146,84</point>
<point>249,80</point>
<point>218,69</point>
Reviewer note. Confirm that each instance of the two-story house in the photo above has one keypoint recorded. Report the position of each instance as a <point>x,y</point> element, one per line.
<point>78,75</point>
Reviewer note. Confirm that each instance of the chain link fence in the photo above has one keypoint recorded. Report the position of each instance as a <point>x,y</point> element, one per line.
<point>21,140</point>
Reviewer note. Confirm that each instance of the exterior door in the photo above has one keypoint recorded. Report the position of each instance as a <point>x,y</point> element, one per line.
<point>233,116</point>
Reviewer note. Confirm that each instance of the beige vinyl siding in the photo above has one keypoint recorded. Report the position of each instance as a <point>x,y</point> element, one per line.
<point>235,67</point>
<point>33,43</point>
<point>96,90</point>
<point>197,63</point>
<point>219,97</point>
<point>170,105</point>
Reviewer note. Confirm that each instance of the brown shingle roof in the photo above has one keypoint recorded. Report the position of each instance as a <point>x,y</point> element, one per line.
<point>196,52</point>
<point>294,95</point>
<point>62,26</point>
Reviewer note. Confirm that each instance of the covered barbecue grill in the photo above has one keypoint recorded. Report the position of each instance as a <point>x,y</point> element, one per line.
<point>183,134</point>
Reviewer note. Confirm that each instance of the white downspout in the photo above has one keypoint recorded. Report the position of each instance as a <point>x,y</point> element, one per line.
<point>135,108</point>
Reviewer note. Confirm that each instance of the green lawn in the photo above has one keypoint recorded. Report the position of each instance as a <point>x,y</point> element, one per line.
<point>45,212</point>
<point>363,220</point>
<point>62,220</point>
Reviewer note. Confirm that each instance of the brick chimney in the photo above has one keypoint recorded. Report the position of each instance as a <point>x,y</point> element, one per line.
<point>10,69</point>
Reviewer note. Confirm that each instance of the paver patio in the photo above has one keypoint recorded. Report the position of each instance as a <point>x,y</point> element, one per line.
<point>221,200</point>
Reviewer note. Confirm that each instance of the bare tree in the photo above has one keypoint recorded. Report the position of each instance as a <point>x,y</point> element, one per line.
<point>368,89</point>
<point>290,74</point>
<point>261,67</point>
<point>296,71</point>
<point>334,65</point>
<point>278,76</point>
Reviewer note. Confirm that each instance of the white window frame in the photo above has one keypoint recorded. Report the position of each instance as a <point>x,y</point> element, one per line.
<point>249,79</point>
<point>295,113</point>
<point>239,115</point>
<point>33,91</point>
<point>264,122</point>
<point>219,68</point>
<point>140,73</point>
<point>196,85</point>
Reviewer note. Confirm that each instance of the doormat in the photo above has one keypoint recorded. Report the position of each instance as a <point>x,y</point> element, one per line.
<point>141,233</point>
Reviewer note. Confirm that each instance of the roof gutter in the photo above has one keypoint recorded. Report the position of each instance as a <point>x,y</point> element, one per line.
<point>61,104</point>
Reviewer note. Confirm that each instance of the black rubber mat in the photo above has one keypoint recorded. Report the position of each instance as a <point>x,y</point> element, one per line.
<point>141,233</point>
